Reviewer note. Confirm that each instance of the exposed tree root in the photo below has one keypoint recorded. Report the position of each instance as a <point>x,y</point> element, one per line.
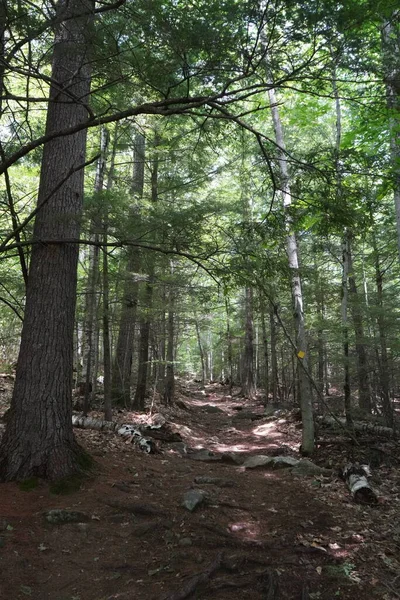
<point>190,586</point>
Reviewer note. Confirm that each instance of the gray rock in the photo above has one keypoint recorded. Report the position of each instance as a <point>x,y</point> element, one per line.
<point>219,481</point>
<point>284,462</point>
<point>258,461</point>
<point>271,462</point>
<point>231,458</point>
<point>193,498</point>
<point>209,408</point>
<point>203,455</point>
<point>58,516</point>
<point>186,541</point>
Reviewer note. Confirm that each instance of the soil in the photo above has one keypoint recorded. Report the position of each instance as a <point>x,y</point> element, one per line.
<point>259,534</point>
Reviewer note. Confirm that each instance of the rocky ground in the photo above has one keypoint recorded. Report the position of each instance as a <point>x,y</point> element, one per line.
<point>196,519</point>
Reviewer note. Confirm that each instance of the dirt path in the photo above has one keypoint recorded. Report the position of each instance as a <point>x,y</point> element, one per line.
<point>258,534</point>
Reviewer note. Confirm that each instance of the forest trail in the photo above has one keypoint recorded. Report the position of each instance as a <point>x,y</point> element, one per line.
<point>259,534</point>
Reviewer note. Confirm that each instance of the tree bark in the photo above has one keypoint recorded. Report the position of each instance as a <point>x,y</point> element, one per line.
<point>391,67</point>
<point>248,386</point>
<point>91,298</point>
<point>106,300</point>
<point>141,386</point>
<point>345,329</point>
<point>122,366</point>
<point>308,444</point>
<point>169,387</point>
<point>364,398</point>
<point>39,439</point>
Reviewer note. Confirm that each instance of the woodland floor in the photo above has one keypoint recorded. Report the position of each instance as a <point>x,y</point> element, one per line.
<point>268,534</point>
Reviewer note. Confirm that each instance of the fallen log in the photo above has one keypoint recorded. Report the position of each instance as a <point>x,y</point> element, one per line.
<point>356,477</point>
<point>130,431</point>
<point>377,430</point>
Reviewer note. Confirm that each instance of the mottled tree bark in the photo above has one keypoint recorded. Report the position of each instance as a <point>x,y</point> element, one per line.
<point>308,444</point>
<point>39,440</point>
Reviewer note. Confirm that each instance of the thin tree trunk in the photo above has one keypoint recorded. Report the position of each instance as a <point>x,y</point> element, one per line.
<point>266,354</point>
<point>38,439</point>
<point>106,292</point>
<point>122,365</point>
<point>143,370</point>
<point>229,343</point>
<point>345,329</point>
<point>383,362</point>
<point>308,444</point>
<point>169,387</point>
<point>364,399</point>
<point>274,357</point>
<point>248,386</point>
<point>201,351</point>
<point>391,65</point>
<point>91,303</point>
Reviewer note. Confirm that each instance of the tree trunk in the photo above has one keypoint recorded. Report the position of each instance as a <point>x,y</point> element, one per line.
<point>274,357</point>
<point>169,388</point>
<point>229,343</point>
<point>248,386</point>
<point>345,329</point>
<point>141,386</point>
<point>364,399</point>
<point>122,366</point>
<point>308,445</point>
<point>39,439</point>
<point>201,351</point>
<point>106,294</point>
<point>391,66</point>
<point>266,354</point>
<point>383,363</point>
<point>91,299</point>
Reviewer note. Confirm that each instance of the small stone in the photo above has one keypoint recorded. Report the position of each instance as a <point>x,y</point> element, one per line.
<point>209,408</point>
<point>193,498</point>
<point>185,542</point>
<point>257,461</point>
<point>231,458</point>
<point>117,518</point>
<point>284,462</point>
<point>203,455</point>
<point>59,516</point>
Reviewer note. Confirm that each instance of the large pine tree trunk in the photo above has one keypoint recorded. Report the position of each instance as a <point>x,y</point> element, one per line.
<point>39,439</point>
